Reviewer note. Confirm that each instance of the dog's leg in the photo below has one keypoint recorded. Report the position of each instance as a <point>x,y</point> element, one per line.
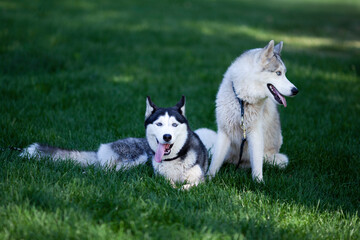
<point>222,146</point>
<point>256,150</point>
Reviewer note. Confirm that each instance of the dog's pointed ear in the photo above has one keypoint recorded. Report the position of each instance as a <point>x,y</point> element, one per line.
<point>181,105</point>
<point>278,48</point>
<point>150,107</point>
<point>268,51</point>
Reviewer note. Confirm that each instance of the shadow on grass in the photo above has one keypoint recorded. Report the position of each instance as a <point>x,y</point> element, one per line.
<point>135,202</point>
<point>51,37</point>
<point>129,49</point>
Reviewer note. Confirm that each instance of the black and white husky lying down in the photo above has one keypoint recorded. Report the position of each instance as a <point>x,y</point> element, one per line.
<point>177,152</point>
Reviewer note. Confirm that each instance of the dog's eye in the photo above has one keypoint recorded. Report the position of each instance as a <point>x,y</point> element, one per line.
<point>159,124</point>
<point>174,124</point>
<point>278,73</point>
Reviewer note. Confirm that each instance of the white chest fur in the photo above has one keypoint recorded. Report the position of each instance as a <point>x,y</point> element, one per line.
<point>180,170</point>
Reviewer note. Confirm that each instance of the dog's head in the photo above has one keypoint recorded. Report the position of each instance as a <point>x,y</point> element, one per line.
<point>273,74</point>
<point>166,129</point>
<point>260,73</point>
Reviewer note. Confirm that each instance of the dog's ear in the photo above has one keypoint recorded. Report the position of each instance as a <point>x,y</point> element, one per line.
<point>181,106</point>
<point>150,107</point>
<point>268,51</point>
<point>278,48</point>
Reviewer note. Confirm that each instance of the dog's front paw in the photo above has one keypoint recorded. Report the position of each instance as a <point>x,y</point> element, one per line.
<point>258,178</point>
<point>187,186</point>
<point>278,159</point>
<point>210,175</point>
<point>281,160</point>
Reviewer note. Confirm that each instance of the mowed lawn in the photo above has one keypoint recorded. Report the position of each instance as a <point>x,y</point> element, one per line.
<point>75,74</point>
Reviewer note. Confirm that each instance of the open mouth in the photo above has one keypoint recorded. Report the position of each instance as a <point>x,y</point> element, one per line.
<point>168,149</point>
<point>277,95</point>
<point>162,150</point>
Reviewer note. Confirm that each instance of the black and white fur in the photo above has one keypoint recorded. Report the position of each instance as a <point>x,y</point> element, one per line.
<point>185,157</point>
<point>121,154</point>
<point>189,157</point>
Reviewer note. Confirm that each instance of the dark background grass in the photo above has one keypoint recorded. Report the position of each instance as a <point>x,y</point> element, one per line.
<point>75,74</point>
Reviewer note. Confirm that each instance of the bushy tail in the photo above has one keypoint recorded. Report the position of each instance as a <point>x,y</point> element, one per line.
<point>37,150</point>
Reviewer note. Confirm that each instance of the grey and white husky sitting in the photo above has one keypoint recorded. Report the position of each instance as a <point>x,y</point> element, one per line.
<point>177,152</point>
<point>256,80</point>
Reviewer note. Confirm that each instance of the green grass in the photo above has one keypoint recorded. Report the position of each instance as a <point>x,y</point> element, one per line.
<point>76,73</point>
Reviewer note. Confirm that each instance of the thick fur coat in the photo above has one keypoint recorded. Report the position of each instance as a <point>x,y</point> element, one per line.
<point>180,155</point>
<point>258,78</point>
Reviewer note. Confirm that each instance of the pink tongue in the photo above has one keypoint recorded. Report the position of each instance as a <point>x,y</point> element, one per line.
<point>283,100</point>
<point>159,152</point>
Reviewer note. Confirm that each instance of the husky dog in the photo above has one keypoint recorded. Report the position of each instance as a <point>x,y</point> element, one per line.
<point>257,80</point>
<point>177,152</point>
<point>122,154</point>
<point>180,155</point>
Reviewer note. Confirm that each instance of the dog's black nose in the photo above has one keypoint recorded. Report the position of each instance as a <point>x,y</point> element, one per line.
<point>294,91</point>
<point>167,137</point>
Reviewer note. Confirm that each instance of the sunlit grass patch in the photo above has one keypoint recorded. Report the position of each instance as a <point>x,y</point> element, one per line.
<point>76,74</point>
<point>294,40</point>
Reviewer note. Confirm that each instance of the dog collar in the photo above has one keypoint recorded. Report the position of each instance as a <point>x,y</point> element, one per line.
<point>181,154</point>
<point>242,125</point>
<point>241,102</point>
